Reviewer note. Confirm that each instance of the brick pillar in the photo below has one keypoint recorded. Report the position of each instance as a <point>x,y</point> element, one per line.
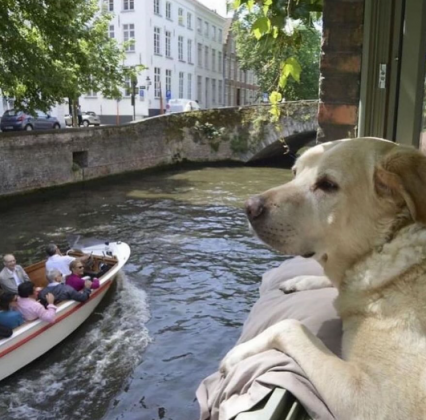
<point>340,69</point>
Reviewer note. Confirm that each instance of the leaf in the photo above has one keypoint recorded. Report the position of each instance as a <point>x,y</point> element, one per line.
<point>275,32</point>
<point>291,67</point>
<point>261,27</point>
<point>275,97</point>
<point>250,5</point>
<point>236,4</point>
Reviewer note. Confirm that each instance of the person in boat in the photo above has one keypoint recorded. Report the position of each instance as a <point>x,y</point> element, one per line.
<point>76,280</point>
<point>9,316</point>
<point>62,291</point>
<point>55,260</point>
<point>30,308</point>
<point>12,274</point>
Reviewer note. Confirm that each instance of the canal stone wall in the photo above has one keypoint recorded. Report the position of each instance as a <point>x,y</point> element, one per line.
<point>29,161</point>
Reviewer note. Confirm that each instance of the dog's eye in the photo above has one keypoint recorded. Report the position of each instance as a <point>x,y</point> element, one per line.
<point>326,185</point>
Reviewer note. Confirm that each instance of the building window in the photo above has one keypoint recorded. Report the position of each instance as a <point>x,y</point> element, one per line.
<point>128,5</point>
<point>168,10</point>
<point>180,48</point>
<point>189,20</point>
<point>219,62</point>
<point>157,40</point>
<point>157,7</point>
<point>199,25</point>
<point>128,35</point>
<point>110,5</point>
<point>168,81</point>
<point>206,57</point>
<point>200,55</point>
<point>213,59</point>
<point>168,36</point>
<point>127,86</point>
<point>206,93</point>
<point>214,91</point>
<point>214,33</point>
<point>206,29</point>
<point>199,88</point>
<point>111,32</point>
<point>157,82</point>
<point>180,16</point>
<point>220,36</point>
<point>181,75</point>
<point>189,48</point>
<point>227,68</point>
<point>220,92</point>
<point>189,86</point>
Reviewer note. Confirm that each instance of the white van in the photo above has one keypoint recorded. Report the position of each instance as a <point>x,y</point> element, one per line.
<point>181,105</point>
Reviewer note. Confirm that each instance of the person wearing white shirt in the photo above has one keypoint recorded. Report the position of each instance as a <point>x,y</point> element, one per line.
<point>12,275</point>
<point>57,261</point>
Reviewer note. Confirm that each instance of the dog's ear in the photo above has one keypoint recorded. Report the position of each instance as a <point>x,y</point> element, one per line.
<point>401,175</point>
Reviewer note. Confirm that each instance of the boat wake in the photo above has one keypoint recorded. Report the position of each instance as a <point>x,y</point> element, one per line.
<point>79,377</point>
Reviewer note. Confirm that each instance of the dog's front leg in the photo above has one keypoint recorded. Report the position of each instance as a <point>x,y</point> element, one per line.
<point>337,381</point>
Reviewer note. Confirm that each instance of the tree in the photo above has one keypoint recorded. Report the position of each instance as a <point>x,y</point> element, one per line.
<point>265,57</point>
<point>56,49</point>
<point>277,30</point>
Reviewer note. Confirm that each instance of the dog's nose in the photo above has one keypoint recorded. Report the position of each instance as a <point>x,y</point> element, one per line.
<point>254,207</point>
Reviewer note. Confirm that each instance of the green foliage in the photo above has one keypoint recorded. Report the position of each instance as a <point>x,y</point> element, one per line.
<point>53,49</point>
<point>278,40</point>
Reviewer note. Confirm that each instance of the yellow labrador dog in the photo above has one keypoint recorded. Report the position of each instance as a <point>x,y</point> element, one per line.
<point>358,207</point>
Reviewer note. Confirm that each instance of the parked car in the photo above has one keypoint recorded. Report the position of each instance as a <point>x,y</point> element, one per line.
<point>87,118</point>
<point>182,105</point>
<point>14,120</point>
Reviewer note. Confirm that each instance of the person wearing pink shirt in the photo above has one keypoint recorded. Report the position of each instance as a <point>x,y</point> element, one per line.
<point>75,279</point>
<point>30,308</point>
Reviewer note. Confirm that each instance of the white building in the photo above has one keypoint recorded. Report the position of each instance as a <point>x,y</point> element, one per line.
<point>168,37</point>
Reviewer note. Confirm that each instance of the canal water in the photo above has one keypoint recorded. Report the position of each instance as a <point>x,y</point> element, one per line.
<point>177,307</point>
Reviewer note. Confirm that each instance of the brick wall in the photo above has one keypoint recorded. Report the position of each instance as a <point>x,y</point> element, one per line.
<point>340,69</point>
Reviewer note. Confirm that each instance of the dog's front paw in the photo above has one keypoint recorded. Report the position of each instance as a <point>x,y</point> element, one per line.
<point>300,283</point>
<point>235,356</point>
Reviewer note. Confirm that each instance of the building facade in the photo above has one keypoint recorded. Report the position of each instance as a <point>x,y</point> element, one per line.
<point>166,40</point>
<point>240,85</point>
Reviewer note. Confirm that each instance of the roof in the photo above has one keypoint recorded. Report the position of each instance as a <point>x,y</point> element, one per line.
<point>227,29</point>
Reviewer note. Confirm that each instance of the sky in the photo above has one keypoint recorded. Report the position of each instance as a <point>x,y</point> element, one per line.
<point>218,5</point>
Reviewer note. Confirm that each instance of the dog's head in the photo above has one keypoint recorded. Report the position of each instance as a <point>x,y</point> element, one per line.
<point>347,197</point>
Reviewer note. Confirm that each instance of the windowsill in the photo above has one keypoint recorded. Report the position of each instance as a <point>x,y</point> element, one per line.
<point>158,54</point>
<point>169,19</point>
<point>191,64</point>
<point>91,97</point>
<point>127,11</point>
<point>158,14</point>
<point>130,51</point>
<point>181,24</point>
<point>169,57</point>
<point>182,61</point>
<point>189,28</point>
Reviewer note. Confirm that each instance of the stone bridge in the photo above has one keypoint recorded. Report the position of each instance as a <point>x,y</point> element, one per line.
<point>33,160</point>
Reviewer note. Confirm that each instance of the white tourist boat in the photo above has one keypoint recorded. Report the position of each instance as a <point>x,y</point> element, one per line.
<point>33,339</point>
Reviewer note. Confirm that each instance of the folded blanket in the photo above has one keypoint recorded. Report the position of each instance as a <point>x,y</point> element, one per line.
<point>254,378</point>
